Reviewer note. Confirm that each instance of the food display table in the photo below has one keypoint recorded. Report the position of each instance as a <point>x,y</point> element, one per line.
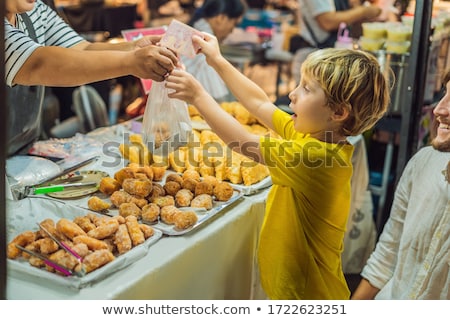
<point>215,261</point>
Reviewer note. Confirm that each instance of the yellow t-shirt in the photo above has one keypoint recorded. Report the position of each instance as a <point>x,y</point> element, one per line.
<point>307,208</point>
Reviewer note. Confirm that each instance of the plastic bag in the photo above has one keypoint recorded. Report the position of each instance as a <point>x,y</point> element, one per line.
<point>166,125</point>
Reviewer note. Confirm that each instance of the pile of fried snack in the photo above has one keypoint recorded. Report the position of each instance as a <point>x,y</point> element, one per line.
<point>139,191</point>
<point>97,239</point>
<point>205,152</point>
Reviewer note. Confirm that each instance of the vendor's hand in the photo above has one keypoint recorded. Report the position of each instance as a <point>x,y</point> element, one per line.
<point>209,46</point>
<point>184,85</point>
<point>147,41</point>
<point>371,12</point>
<point>153,62</point>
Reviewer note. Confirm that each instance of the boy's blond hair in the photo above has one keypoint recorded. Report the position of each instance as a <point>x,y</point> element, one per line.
<point>351,79</point>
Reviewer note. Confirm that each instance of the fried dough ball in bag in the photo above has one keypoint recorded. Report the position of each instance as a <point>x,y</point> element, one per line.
<point>185,219</point>
<point>183,198</point>
<point>202,201</point>
<point>150,212</point>
<point>130,209</point>
<point>137,187</point>
<point>223,191</point>
<point>96,260</point>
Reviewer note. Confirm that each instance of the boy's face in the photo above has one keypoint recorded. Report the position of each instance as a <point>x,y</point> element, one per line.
<point>442,112</point>
<point>19,6</point>
<point>311,112</point>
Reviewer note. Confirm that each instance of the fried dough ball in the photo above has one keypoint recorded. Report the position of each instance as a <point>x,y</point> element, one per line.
<point>172,188</point>
<point>69,229</point>
<point>223,191</point>
<point>97,204</point>
<point>136,234</point>
<point>183,198</point>
<point>202,201</point>
<point>191,174</point>
<point>91,243</point>
<point>104,230</point>
<point>119,197</point>
<point>204,188</point>
<point>174,177</point>
<point>124,173</point>
<point>137,187</point>
<point>49,225</point>
<point>150,212</point>
<point>108,185</point>
<point>147,230</point>
<point>189,184</point>
<point>122,239</point>
<point>186,219</point>
<point>96,260</point>
<point>85,223</point>
<point>140,202</point>
<point>129,209</point>
<point>212,180</point>
<point>157,191</point>
<point>148,171</point>
<point>158,172</point>
<point>168,214</point>
<point>164,201</point>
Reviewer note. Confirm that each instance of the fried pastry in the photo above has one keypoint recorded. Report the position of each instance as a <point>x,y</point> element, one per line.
<point>136,234</point>
<point>185,219</point>
<point>202,201</point>
<point>69,228</point>
<point>203,187</point>
<point>157,191</point>
<point>129,209</point>
<point>223,191</point>
<point>164,201</point>
<point>137,187</point>
<point>189,184</point>
<point>183,198</point>
<point>254,174</point>
<point>124,173</point>
<point>147,230</point>
<point>96,260</point>
<point>172,188</point>
<point>106,229</point>
<point>168,214</point>
<point>158,172</point>
<point>97,204</point>
<point>191,174</point>
<point>85,223</point>
<point>150,212</point>
<point>108,185</point>
<point>174,177</point>
<point>122,239</point>
<point>91,243</point>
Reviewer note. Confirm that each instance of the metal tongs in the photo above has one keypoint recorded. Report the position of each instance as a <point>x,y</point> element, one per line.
<point>66,248</point>
<point>52,264</point>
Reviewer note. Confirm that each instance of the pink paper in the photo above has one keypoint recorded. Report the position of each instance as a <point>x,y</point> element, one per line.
<point>178,37</point>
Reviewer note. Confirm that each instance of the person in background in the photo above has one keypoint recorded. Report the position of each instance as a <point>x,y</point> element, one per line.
<point>319,22</point>
<point>412,257</point>
<point>42,50</point>
<point>342,93</point>
<point>218,17</point>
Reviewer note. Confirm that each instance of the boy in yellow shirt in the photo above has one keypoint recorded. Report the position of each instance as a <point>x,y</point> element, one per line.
<point>342,93</point>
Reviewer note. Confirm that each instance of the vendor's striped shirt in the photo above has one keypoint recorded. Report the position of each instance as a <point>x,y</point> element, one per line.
<point>50,30</point>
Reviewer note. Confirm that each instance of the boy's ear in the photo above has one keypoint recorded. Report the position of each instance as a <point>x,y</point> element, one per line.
<point>340,114</point>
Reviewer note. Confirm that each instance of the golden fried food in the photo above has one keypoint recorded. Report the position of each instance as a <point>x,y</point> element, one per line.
<point>106,229</point>
<point>202,201</point>
<point>254,174</point>
<point>168,214</point>
<point>120,219</point>
<point>129,209</point>
<point>81,249</point>
<point>95,219</point>
<point>177,160</point>
<point>164,201</point>
<point>137,153</point>
<point>183,198</point>
<point>147,170</point>
<point>158,172</point>
<point>211,180</point>
<point>46,245</point>
<point>184,220</point>
<point>161,132</point>
<point>172,187</point>
<point>110,243</point>
<point>223,191</point>
<point>147,230</point>
<point>97,204</point>
<point>220,168</point>
<point>136,234</point>
<point>189,184</point>
<point>234,174</point>
<point>122,239</point>
<point>91,243</point>
<point>124,173</point>
<point>64,259</point>
<point>140,202</point>
<point>49,225</point>
<point>204,187</point>
<point>150,212</point>
<point>174,177</point>
<point>69,228</point>
<point>119,197</point>
<point>85,223</point>
<point>191,174</point>
<point>108,185</point>
<point>36,262</point>
<point>137,187</point>
<point>157,191</point>
<point>96,260</point>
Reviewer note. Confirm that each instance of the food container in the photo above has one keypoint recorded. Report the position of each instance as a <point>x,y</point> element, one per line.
<point>369,44</point>
<point>399,33</point>
<point>374,30</point>
<point>399,47</point>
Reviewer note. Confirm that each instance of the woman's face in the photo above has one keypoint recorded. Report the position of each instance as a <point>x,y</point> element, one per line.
<point>19,6</point>
<point>222,26</point>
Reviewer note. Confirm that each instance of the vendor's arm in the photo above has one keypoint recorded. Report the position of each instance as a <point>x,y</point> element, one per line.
<point>246,91</point>
<point>330,21</point>
<point>237,138</point>
<point>56,66</point>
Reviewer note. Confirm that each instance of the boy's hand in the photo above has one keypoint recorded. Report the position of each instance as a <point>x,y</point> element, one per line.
<point>209,46</point>
<point>184,85</point>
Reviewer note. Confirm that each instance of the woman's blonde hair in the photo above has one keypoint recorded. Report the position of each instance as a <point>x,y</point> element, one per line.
<point>353,80</point>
